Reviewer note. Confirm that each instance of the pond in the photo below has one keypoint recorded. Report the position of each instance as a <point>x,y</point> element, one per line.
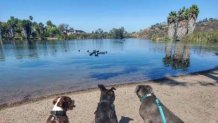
<point>48,67</point>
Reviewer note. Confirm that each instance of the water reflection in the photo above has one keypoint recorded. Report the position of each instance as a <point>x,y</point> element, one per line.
<point>2,56</point>
<point>35,50</point>
<point>118,44</point>
<point>177,55</point>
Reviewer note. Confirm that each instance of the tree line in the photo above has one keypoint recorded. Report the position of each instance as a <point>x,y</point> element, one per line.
<point>27,29</point>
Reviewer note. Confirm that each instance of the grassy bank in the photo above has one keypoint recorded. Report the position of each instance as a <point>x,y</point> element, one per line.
<point>211,37</point>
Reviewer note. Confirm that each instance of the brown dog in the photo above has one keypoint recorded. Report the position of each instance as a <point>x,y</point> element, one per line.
<point>151,109</point>
<point>61,106</point>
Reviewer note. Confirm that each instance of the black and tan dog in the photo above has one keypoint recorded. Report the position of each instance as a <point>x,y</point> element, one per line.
<point>151,109</point>
<point>105,112</point>
<point>61,106</point>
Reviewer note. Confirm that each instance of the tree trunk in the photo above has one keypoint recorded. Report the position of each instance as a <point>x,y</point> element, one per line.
<point>24,33</point>
<point>2,56</point>
<point>186,53</point>
<point>11,33</point>
<point>186,56</point>
<point>168,57</point>
<point>168,49</point>
<point>171,30</point>
<point>178,51</point>
<point>191,24</point>
<point>182,29</point>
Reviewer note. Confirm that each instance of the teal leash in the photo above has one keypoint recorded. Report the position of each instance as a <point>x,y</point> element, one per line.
<point>161,111</point>
<point>159,108</point>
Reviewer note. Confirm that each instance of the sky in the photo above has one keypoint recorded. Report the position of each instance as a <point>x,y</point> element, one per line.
<point>89,15</point>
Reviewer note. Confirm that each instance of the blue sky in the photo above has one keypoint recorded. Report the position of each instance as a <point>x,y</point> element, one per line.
<point>89,15</point>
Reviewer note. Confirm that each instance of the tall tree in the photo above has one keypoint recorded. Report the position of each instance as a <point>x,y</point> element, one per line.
<point>172,22</point>
<point>63,28</point>
<point>117,33</point>
<point>50,24</point>
<point>27,28</point>
<point>182,27</point>
<point>41,30</point>
<point>192,15</point>
<point>12,22</point>
<point>30,18</point>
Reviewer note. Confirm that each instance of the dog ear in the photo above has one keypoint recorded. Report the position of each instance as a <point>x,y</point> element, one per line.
<point>113,88</point>
<point>55,100</point>
<point>102,87</point>
<point>137,88</point>
<point>61,102</point>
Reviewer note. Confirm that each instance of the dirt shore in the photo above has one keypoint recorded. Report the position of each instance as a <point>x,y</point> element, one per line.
<point>194,98</point>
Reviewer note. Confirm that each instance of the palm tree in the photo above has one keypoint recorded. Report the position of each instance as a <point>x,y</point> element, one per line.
<point>172,20</point>
<point>31,18</point>
<point>192,15</point>
<point>182,27</point>
<point>41,30</point>
<point>194,11</point>
<point>50,24</point>
<point>27,28</point>
<point>183,14</point>
<point>12,22</point>
<point>172,17</point>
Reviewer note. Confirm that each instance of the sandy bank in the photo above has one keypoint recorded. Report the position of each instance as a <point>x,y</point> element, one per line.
<point>194,98</point>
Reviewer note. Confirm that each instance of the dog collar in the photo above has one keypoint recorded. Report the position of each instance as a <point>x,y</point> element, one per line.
<point>159,105</point>
<point>58,113</point>
<point>102,101</point>
<point>145,96</point>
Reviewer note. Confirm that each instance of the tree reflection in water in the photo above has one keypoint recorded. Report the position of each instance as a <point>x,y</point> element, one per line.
<point>177,55</point>
<point>2,56</point>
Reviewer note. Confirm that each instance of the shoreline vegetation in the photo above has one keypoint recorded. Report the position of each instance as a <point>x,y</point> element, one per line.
<point>28,29</point>
<point>171,91</point>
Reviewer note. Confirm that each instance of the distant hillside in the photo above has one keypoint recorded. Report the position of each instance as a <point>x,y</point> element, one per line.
<point>158,32</point>
<point>155,32</point>
<point>207,25</point>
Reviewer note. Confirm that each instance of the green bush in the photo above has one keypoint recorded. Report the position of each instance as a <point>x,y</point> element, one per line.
<point>202,37</point>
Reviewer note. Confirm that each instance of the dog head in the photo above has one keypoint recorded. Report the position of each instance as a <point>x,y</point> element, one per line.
<point>64,102</point>
<point>142,90</point>
<point>107,94</point>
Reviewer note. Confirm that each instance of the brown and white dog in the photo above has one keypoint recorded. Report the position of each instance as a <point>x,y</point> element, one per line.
<point>61,105</point>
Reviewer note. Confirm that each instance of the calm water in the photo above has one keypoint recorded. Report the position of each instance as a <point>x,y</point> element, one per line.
<point>44,68</point>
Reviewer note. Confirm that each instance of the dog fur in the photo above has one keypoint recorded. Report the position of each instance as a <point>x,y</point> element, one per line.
<point>61,104</point>
<point>149,110</point>
<point>105,112</point>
